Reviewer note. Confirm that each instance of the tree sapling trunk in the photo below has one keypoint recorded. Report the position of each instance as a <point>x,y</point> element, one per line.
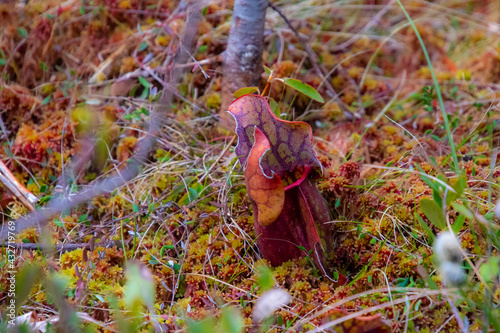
<point>242,65</point>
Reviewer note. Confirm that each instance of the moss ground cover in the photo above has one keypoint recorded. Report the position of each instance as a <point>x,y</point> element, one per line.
<point>82,77</point>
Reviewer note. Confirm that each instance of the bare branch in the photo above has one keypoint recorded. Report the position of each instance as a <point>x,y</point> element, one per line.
<point>62,247</point>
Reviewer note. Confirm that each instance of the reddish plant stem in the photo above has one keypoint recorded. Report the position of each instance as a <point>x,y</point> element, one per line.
<point>299,181</point>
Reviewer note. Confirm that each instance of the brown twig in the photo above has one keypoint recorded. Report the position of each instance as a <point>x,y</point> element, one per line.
<point>61,247</point>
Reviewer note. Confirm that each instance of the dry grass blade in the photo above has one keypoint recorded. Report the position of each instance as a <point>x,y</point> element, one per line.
<point>17,189</point>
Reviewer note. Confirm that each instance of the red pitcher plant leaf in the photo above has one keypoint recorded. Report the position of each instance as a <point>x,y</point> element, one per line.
<point>267,194</point>
<point>290,144</point>
<point>275,153</point>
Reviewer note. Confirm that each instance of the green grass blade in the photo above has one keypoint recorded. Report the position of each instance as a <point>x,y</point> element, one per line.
<point>438,91</point>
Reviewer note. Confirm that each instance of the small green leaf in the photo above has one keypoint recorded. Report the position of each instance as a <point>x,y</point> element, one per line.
<point>435,138</point>
<point>144,82</point>
<point>373,241</point>
<point>265,279</point>
<point>204,326</point>
<point>337,203</point>
<point>46,100</point>
<point>8,152</point>
<point>145,93</point>
<point>44,199</point>
<point>489,216</point>
<point>23,32</point>
<point>425,227</point>
<point>139,287</point>
<point>192,194</point>
<point>166,247</point>
<point>432,284</point>
<point>490,269</point>
<point>180,187</point>
<point>433,212</point>
<point>133,90</point>
<point>242,302</point>
<point>275,107</point>
<point>436,196</point>
<point>462,210</point>
<point>245,91</point>
<point>202,48</point>
<point>304,88</point>
<point>459,222</point>
<point>231,320</point>
<point>459,187</point>
<point>267,70</point>
<point>417,305</point>
<point>82,218</point>
<point>25,279</point>
<point>403,282</point>
<point>142,46</point>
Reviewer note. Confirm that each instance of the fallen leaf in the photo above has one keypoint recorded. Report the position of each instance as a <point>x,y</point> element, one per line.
<point>365,324</point>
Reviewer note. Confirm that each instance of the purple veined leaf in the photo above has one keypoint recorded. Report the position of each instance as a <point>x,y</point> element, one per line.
<point>290,141</point>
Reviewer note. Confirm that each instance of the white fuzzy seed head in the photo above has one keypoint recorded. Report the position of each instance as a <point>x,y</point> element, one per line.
<point>269,302</point>
<point>447,248</point>
<point>449,254</point>
<point>452,273</point>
